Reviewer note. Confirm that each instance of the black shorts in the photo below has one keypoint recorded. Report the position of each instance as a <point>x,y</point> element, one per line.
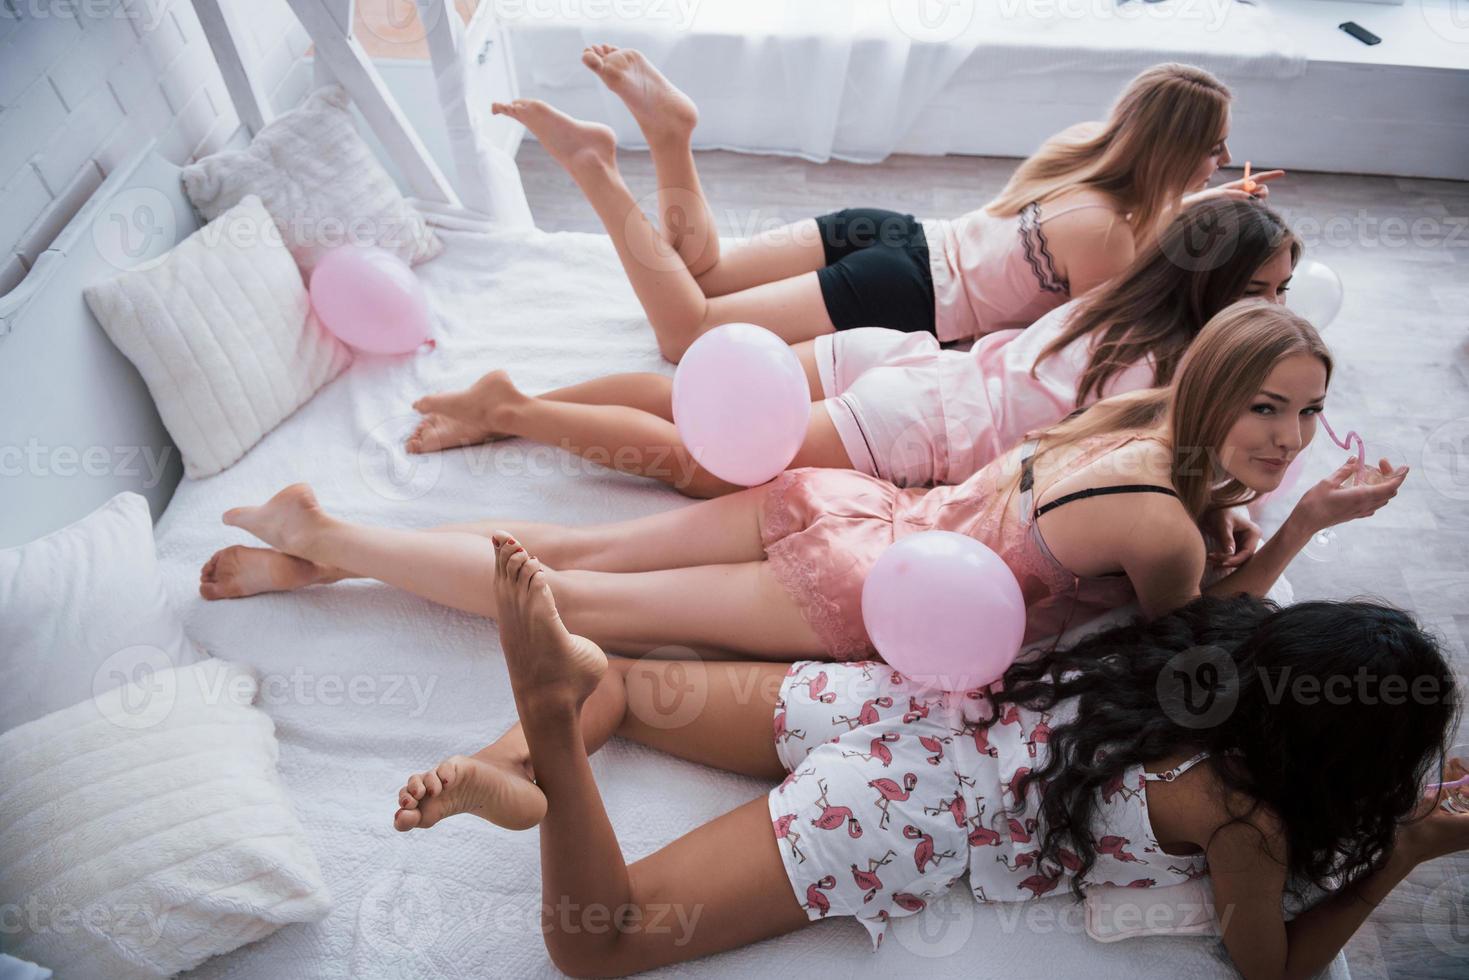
<point>876,272</point>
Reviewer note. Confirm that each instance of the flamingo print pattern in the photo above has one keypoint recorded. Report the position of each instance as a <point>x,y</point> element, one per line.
<point>895,793</point>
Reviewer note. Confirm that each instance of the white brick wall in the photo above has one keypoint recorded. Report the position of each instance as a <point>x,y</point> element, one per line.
<point>83,83</point>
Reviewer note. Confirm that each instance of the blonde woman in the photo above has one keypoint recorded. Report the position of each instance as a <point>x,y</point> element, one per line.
<point>897,406</point>
<point>1071,217</point>
<point>1089,515</point>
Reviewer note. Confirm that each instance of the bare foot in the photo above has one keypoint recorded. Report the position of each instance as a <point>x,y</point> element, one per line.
<point>547,663</point>
<point>483,785</point>
<point>663,112</point>
<point>481,412</point>
<point>578,146</point>
<point>438,432</point>
<point>286,521</point>
<point>238,571</point>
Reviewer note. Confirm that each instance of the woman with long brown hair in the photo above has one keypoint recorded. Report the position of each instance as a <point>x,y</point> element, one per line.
<point>1088,514</point>
<point>897,405</point>
<point>1071,217</point>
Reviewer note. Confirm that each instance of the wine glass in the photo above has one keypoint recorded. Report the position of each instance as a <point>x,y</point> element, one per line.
<point>1326,545</point>
<point>1456,767</point>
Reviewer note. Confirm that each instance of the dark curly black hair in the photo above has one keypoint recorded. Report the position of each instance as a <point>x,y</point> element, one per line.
<point>1330,714</point>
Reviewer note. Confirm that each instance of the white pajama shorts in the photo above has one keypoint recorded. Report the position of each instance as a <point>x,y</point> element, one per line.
<point>868,821</point>
<point>882,393</point>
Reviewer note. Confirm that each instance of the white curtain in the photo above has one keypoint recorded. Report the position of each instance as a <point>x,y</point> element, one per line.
<point>850,79</point>
<point>812,78</point>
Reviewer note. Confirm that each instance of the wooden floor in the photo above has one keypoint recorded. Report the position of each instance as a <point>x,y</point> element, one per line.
<point>1401,345</point>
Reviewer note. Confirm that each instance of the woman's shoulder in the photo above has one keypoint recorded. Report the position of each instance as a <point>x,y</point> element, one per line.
<point>1113,459</point>
<point>1082,204</point>
<point>1132,456</point>
<point>1201,807</point>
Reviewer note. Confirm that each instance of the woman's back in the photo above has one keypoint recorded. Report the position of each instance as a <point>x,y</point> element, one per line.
<point>998,272</point>
<point>1004,851</point>
<point>999,506</point>
<point>947,773</point>
<point>1001,389</point>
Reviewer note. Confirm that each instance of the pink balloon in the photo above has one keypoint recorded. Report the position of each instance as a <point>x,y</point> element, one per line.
<point>370,300</point>
<point>944,610</point>
<point>741,403</point>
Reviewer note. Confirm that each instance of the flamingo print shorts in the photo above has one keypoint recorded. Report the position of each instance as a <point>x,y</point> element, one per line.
<point>868,822</point>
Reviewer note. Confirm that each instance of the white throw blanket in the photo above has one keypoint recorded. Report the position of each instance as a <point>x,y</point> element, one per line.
<point>367,684</point>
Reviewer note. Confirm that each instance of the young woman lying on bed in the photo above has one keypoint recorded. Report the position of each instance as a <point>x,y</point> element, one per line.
<point>1069,218</point>
<point>896,405</point>
<point>776,571</point>
<point>1070,771</point>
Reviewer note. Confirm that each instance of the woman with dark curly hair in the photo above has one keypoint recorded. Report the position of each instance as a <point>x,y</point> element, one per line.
<point>1265,747</point>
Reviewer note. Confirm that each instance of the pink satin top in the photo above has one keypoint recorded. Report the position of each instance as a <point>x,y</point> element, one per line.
<point>824,529</point>
<point>990,395</point>
<point>993,273</point>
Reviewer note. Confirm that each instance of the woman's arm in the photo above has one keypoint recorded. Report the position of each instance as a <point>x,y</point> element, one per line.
<point>1315,936</point>
<point>1257,575</point>
<point>1239,190</point>
<point>1231,535</point>
<point>1328,502</point>
<point>1162,553</point>
<point>1247,869</point>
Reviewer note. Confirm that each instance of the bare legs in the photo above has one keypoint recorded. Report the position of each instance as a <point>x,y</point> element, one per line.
<point>694,576</point>
<point>643,441</point>
<point>720,904</point>
<point>468,424</point>
<point>655,261</point>
<point>715,713</point>
<point>667,118</point>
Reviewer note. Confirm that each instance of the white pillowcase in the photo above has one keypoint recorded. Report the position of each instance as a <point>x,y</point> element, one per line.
<point>83,610</point>
<point>221,330</point>
<point>148,829</point>
<point>1184,909</point>
<point>321,183</point>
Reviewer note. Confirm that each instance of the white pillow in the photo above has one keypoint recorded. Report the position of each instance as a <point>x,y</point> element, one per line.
<point>221,329</point>
<point>1116,912</point>
<point>82,610</point>
<point>148,829</point>
<point>1184,909</point>
<point>321,183</point>
<point>14,969</point>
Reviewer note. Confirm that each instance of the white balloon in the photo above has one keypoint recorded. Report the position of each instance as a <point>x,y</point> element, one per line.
<point>1315,293</point>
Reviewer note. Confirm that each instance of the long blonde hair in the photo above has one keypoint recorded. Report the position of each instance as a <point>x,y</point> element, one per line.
<point>1221,374</point>
<point>1166,119</point>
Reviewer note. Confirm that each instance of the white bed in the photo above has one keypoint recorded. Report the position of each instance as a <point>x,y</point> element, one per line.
<point>462,900</point>
<point>366,684</point>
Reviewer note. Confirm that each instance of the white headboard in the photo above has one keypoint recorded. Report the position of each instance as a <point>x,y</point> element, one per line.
<point>78,424</point>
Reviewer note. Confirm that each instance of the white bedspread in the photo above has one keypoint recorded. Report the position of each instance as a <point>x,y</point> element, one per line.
<point>366,684</point>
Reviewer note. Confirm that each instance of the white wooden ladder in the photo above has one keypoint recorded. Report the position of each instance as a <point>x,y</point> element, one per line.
<point>340,58</point>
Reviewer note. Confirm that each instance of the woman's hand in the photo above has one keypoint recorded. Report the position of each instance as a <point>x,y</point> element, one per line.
<point>1238,190</point>
<point>1434,831</point>
<point>1233,537</point>
<point>1333,502</point>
